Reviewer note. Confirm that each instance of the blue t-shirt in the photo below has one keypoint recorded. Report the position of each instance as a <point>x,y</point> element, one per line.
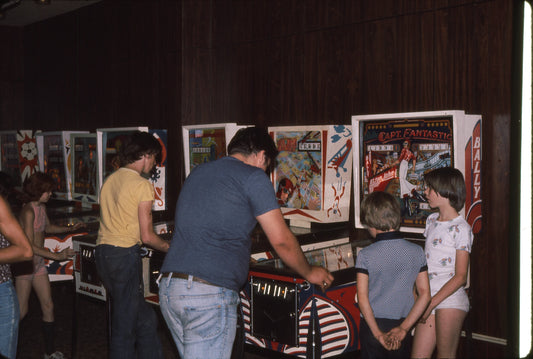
<point>392,265</point>
<point>215,215</point>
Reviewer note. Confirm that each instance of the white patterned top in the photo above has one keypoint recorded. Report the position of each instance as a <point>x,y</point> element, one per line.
<point>442,240</point>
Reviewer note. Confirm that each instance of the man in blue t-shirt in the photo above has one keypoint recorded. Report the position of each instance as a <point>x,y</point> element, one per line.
<point>207,263</point>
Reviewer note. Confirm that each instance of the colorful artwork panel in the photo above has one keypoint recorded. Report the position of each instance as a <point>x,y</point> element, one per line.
<point>85,165</point>
<point>54,162</point>
<point>205,145</point>
<point>313,176</point>
<point>158,176</point>
<point>10,163</point>
<point>28,157</point>
<point>299,170</point>
<point>396,155</point>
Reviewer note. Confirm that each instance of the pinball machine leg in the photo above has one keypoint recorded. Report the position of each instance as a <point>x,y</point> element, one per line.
<point>74,342</point>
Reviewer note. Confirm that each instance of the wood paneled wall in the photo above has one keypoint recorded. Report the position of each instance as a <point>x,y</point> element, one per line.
<point>273,62</point>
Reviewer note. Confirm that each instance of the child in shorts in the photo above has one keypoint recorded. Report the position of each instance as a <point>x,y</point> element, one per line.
<point>387,270</point>
<point>448,245</point>
<point>33,219</point>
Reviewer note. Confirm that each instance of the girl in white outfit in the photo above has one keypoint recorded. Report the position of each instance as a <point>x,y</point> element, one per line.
<point>448,245</point>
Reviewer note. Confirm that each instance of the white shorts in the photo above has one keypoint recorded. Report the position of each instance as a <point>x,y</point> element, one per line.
<point>458,300</point>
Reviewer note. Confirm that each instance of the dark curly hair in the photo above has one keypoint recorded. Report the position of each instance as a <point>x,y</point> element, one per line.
<point>250,140</point>
<point>37,184</point>
<point>137,145</point>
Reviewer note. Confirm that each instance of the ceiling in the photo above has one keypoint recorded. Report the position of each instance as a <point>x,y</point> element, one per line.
<point>30,11</point>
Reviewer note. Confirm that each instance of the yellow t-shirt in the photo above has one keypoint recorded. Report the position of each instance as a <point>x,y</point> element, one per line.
<point>120,197</point>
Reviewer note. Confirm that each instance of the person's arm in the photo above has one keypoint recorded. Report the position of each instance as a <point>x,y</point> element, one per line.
<point>54,228</point>
<point>26,219</point>
<point>366,310</point>
<point>421,302</point>
<point>20,247</point>
<point>287,247</point>
<point>148,236</point>
<point>462,258</point>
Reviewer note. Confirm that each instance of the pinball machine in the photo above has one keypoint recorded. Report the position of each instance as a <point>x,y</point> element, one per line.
<point>87,280</point>
<point>421,141</point>
<point>54,152</point>
<point>18,154</point>
<point>283,313</point>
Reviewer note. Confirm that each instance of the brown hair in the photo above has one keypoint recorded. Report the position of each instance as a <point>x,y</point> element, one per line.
<point>380,210</point>
<point>37,184</point>
<point>138,144</point>
<point>250,140</point>
<point>449,183</point>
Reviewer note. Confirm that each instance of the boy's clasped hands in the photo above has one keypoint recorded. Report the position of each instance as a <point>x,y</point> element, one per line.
<point>392,340</point>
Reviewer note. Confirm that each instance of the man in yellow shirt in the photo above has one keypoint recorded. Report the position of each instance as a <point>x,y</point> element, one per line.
<point>126,202</point>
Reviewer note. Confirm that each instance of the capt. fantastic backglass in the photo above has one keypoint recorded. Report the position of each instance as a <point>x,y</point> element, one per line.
<point>396,150</point>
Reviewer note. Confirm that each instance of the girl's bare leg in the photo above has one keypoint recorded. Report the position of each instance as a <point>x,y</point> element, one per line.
<point>425,339</point>
<point>449,323</point>
<point>41,284</point>
<point>23,288</point>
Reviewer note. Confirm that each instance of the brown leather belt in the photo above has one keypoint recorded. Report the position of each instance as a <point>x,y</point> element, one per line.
<point>185,276</point>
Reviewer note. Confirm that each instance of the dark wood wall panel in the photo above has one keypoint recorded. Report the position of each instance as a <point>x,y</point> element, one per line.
<point>49,72</point>
<point>293,86</point>
<point>380,73</point>
<point>324,53</point>
<point>12,77</point>
<point>198,87</point>
<point>415,47</point>
<point>106,65</point>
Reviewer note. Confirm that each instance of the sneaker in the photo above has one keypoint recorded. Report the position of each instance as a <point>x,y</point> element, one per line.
<point>55,355</point>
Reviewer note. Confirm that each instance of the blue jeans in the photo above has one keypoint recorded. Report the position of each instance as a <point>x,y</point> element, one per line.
<point>9,320</point>
<point>133,320</point>
<point>202,318</point>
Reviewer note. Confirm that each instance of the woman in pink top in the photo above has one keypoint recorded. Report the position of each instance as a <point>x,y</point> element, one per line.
<point>33,219</point>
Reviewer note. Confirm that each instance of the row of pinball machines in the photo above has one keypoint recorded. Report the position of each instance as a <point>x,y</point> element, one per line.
<point>280,311</point>
<point>317,167</point>
<point>78,162</point>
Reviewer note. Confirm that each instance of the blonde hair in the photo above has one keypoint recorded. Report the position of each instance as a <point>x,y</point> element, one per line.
<point>380,210</point>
